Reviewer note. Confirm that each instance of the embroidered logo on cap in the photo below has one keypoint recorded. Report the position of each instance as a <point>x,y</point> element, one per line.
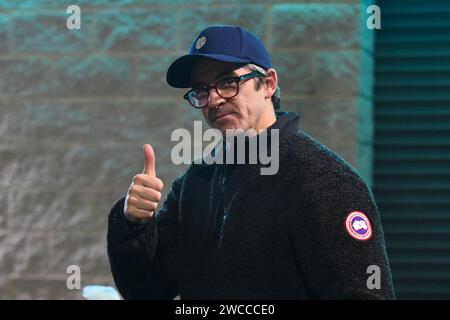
<point>358,226</point>
<point>200,42</point>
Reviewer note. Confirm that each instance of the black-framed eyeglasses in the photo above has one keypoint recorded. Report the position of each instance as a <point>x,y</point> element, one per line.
<point>227,88</point>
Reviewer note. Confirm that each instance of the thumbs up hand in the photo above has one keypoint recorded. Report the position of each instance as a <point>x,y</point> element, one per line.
<point>144,193</point>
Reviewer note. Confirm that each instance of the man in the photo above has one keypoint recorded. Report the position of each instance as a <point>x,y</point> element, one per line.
<point>225,231</point>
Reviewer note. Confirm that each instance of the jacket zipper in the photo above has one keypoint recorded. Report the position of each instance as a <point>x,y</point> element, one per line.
<point>225,212</point>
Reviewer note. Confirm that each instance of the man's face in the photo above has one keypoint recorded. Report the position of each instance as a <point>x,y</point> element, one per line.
<point>243,111</point>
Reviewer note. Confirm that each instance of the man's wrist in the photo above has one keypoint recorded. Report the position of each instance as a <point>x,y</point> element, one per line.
<point>135,221</point>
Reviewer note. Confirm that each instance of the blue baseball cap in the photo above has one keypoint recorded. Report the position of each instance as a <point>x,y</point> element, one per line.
<point>221,43</point>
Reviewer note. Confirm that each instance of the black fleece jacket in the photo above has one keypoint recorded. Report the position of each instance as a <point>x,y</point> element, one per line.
<point>228,232</point>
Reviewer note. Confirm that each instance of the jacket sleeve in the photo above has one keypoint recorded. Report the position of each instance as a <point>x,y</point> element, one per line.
<point>142,256</point>
<point>340,254</point>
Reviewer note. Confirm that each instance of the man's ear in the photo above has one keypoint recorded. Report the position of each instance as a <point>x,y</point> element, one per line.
<point>270,83</point>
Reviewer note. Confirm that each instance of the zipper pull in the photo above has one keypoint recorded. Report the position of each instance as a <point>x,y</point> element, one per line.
<point>222,184</point>
<point>222,225</point>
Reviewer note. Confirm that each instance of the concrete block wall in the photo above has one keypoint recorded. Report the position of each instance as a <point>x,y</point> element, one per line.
<point>77,105</point>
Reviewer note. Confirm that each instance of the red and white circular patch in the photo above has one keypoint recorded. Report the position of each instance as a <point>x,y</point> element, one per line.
<point>358,226</point>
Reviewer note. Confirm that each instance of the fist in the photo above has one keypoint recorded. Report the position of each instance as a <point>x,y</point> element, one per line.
<point>144,193</point>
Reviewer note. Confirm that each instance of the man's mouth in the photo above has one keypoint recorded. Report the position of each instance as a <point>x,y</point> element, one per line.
<point>219,116</point>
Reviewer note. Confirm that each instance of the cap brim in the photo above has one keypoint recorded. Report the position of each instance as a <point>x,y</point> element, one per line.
<point>179,72</point>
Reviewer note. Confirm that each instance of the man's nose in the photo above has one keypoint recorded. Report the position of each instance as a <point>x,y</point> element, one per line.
<point>214,99</point>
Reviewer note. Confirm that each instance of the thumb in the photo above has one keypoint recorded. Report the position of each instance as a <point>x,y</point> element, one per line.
<point>149,156</point>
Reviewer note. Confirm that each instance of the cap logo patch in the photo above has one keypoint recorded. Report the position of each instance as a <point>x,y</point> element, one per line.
<point>358,226</point>
<point>200,42</point>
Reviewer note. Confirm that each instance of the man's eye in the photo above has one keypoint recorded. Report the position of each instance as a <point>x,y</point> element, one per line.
<point>200,93</point>
<point>226,82</point>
